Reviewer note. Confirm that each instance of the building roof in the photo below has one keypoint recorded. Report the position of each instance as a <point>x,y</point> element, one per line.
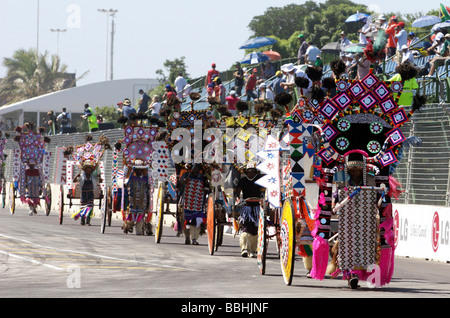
<point>107,93</point>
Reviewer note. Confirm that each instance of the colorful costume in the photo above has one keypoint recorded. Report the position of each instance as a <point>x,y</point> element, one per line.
<point>32,172</point>
<point>361,120</point>
<point>193,202</point>
<point>139,177</point>
<point>249,212</point>
<point>87,158</point>
<point>138,191</point>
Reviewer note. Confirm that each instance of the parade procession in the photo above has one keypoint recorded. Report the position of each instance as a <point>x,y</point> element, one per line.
<point>312,174</point>
<point>286,159</point>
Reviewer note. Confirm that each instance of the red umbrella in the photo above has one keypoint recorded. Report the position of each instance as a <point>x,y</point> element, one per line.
<point>273,56</point>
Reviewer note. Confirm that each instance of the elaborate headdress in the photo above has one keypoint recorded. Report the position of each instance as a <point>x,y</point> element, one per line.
<point>31,144</point>
<point>88,154</point>
<point>137,151</point>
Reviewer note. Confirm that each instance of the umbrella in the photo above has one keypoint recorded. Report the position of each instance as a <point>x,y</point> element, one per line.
<point>441,25</point>
<point>258,42</point>
<point>332,47</point>
<point>255,58</point>
<point>354,48</point>
<point>357,17</point>
<point>273,56</point>
<point>425,21</point>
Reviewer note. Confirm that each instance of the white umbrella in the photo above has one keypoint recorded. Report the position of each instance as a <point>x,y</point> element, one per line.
<point>425,21</point>
<point>441,25</point>
<point>255,58</point>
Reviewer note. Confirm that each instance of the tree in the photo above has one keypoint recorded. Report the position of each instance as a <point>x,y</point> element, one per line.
<point>174,68</point>
<point>319,23</point>
<point>30,74</point>
<point>282,22</point>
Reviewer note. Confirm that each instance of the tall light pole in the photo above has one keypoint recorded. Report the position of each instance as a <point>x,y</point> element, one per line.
<point>108,13</point>
<point>58,31</point>
<point>113,31</point>
<point>37,28</point>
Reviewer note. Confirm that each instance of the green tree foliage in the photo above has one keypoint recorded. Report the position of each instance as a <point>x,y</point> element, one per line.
<point>30,74</point>
<point>282,22</point>
<point>109,114</point>
<point>320,23</point>
<point>174,68</point>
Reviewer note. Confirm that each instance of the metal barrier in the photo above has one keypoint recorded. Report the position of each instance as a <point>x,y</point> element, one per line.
<point>424,170</point>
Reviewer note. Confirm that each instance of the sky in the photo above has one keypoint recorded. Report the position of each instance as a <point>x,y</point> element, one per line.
<point>147,33</point>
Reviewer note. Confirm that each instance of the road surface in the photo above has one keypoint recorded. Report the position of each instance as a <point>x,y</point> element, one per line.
<point>40,258</point>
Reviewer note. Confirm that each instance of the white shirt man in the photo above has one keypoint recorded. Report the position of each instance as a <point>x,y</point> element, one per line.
<point>264,93</point>
<point>311,54</point>
<point>343,43</point>
<point>401,36</point>
<point>407,55</point>
<point>180,83</point>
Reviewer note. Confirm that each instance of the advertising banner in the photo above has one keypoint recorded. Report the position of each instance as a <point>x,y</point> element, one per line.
<point>422,231</point>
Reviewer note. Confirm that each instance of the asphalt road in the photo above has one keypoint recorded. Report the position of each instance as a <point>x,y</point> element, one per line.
<point>41,259</point>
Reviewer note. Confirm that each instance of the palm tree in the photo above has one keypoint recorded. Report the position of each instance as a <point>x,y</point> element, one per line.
<point>30,74</point>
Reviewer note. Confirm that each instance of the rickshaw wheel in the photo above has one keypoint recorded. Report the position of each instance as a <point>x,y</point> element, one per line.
<point>48,195</point>
<point>109,205</point>
<point>159,213</point>
<point>3,194</point>
<point>287,235</point>
<point>211,225</point>
<point>219,228</point>
<point>262,240</point>
<point>12,198</point>
<point>104,212</point>
<point>61,204</point>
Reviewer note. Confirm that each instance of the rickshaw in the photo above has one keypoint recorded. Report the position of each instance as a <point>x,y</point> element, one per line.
<point>188,126</point>
<point>140,151</point>
<point>30,157</point>
<point>270,206</point>
<point>88,154</point>
<point>2,171</point>
<point>361,120</point>
<point>244,135</point>
<point>218,212</point>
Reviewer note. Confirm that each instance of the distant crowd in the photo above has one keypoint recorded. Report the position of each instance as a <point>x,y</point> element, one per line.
<point>264,82</point>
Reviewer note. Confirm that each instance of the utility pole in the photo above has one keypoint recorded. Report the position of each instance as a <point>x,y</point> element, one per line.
<point>108,13</point>
<point>57,38</point>
<point>113,31</point>
<point>37,29</point>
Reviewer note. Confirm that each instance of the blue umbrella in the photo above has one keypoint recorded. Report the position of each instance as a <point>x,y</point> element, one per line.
<point>357,17</point>
<point>258,42</point>
<point>255,58</point>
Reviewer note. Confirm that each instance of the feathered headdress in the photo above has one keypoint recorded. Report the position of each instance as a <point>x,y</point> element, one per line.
<point>374,51</point>
<point>89,154</point>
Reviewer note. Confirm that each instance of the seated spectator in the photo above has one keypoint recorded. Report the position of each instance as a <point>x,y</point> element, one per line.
<point>276,84</point>
<point>268,70</point>
<point>442,56</point>
<point>265,94</point>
